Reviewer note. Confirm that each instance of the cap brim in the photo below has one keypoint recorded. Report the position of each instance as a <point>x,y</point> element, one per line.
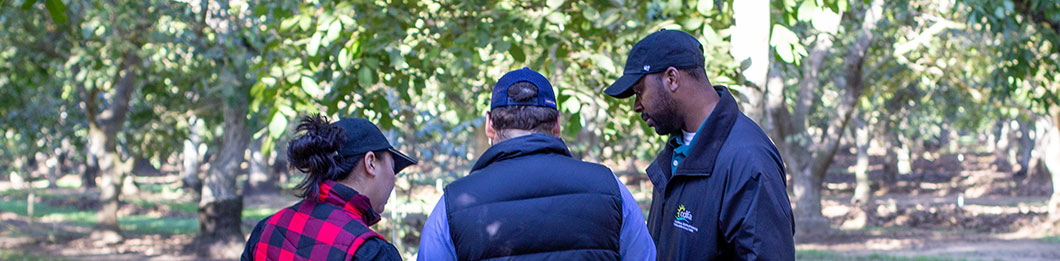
<point>401,160</point>
<point>623,87</point>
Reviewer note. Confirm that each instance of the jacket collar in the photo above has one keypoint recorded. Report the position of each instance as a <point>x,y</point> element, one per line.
<point>536,143</point>
<point>347,198</point>
<point>704,152</point>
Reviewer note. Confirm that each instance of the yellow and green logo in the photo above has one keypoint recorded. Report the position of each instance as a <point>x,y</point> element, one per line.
<point>683,214</point>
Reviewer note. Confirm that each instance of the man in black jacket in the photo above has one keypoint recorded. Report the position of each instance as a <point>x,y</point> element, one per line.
<point>719,187</point>
<point>527,198</point>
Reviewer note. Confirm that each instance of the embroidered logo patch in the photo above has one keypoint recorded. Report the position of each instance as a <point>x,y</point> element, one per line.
<point>683,219</point>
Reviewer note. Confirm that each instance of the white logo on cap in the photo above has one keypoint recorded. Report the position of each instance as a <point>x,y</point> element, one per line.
<point>647,67</point>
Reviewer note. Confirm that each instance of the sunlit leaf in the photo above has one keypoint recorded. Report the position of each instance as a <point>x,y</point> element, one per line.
<point>277,126</point>
<point>310,86</point>
<point>314,44</point>
<point>554,4</point>
<point>705,6</point>
<point>604,62</point>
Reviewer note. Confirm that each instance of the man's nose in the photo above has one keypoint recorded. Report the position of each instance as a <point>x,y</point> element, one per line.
<point>636,104</point>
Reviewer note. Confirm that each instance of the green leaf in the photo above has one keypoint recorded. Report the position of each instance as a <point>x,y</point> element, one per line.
<point>333,31</point>
<point>314,44</point>
<point>310,87</point>
<point>57,10</point>
<point>557,18</point>
<point>784,51</point>
<point>517,53</point>
<point>364,77</point>
<point>705,6</point>
<point>286,24</point>
<point>267,146</point>
<point>27,5</point>
<point>806,11</point>
<point>304,22</point>
<point>784,40</point>
<point>825,20</point>
<point>278,125</point>
<point>554,4</point>
<point>604,62</point>
<point>344,59</point>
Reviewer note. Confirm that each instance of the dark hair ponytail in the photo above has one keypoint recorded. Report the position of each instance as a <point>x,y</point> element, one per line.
<point>316,153</point>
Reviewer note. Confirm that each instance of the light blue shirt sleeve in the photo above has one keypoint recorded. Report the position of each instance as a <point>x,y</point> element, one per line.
<point>435,243</point>
<point>634,241</point>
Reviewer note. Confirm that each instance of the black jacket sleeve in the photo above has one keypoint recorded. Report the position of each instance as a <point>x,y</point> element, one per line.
<point>377,249</point>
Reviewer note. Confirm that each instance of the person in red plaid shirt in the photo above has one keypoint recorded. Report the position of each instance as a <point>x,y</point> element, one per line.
<point>350,169</point>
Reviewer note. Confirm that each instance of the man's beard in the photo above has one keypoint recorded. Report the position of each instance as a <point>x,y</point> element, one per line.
<point>665,119</point>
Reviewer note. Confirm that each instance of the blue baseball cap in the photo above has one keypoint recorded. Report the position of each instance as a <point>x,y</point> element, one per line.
<point>545,96</point>
<point>655,53</point>
<point>361,136</point>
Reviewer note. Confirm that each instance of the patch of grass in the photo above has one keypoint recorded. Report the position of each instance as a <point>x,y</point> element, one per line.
<point>146,224</point>
<point>39,209</point>
<point>186,207</point>
<point>1052,239</point>
<point>22,193</point>
<point>815,255</point>
<point>828,255</point>
<point>69,181</point>
<point>257,214</point>
<point>154,225</point>
<point>6,254</point>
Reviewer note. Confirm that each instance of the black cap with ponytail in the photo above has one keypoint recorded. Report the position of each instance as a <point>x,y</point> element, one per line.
<point>316,153</point>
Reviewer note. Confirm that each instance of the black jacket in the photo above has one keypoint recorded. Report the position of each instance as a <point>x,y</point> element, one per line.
<point>526,198</point>
<point>727,199</point>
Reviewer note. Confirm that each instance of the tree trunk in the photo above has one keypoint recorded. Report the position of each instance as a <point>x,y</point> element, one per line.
<point>279,171</point>
<point>790,129</point>
<point>50,168</point>
<point>103,131</point>
<point>905,151</point>
<point>808,162</point>
<point>862,199</point>
<point>88,177</point>
<point>1051,158</point>
<point>889,179</point>
<point>750,43</point>
<point>220,209</point>
<point>192,160</point>
<point>1026,145</point>
<point>258,180</point>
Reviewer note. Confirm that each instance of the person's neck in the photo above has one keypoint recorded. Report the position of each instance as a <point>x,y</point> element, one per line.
<point>510,134</point>
<point>697,112</point>
<point>360,187</point>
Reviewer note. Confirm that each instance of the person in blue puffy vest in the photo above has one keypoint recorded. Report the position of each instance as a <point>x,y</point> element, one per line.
<point>719,187</point>
<point>527,198</point>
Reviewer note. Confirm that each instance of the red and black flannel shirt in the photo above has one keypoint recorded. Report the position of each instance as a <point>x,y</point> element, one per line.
<point>331,226</point>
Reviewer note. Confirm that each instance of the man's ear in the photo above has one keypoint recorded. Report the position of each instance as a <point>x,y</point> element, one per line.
<point>670,78</point>
<point>490,132</point>
<point>371,165</point>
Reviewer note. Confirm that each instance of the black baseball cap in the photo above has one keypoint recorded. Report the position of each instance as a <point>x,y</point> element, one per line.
<point>545,96</point>
<point>655,53</point>
<point>361,136</point>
